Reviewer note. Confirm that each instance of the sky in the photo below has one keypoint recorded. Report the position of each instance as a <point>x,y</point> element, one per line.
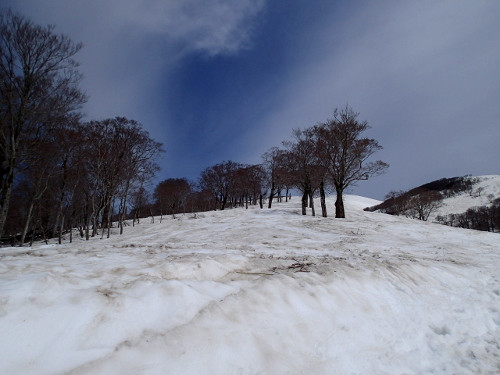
<point>217,80</point>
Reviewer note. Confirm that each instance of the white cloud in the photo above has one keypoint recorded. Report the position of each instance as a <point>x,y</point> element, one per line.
<point>214,27</point>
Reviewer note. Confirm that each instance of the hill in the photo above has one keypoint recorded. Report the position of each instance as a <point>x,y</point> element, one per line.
<point>468,202</point>
<point>256,292</point>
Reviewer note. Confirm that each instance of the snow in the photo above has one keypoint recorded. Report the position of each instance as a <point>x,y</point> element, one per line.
<point>256,292</point>
<point>484,191</point>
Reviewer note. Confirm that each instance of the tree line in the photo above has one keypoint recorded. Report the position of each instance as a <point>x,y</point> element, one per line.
<point>331,155</point>
<point>57,171</point>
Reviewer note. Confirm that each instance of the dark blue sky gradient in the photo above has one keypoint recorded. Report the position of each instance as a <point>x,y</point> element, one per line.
<point>218,100</point>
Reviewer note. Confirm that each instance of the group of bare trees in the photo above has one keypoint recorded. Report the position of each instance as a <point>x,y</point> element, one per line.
<point>56,171</point>
<point>227,184</point>
<point>233,184</point>
<point>418,204</point>
<point>329,156</point>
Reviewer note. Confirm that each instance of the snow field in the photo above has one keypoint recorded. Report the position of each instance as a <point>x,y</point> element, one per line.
<point>256,292</point>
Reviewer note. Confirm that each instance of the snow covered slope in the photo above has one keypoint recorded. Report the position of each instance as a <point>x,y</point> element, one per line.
<point>483,192</point>
<point>256,292</point>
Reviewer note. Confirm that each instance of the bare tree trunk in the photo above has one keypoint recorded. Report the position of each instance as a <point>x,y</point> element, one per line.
<point>223,203</point>
<point>36,196</point>
<point>322,198</point>
<point>261,203</point>
<point>271,195</point>
<point>59,209</point>
<point>304,202</point>
<point>112,208</point>
<point>123,211</point>
<point>61,230</point>
<point>311,203</point>
<point>95,230</point>
<point>121,214</point>
<point>56,222</point>
<point>339,204</point>
<point>94,218</point>
<point>5,201</point>
<point>44,233</point>
<point>88,219</point>
<point>32,239</point>
<point>27,223</point>
<point>105,211</point>
<point>161,208</point>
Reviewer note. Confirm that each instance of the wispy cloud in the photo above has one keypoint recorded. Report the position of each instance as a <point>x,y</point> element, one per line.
<point>213,26</point>
<point>130,46</point>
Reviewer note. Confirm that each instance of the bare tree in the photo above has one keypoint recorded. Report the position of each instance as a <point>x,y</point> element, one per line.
<point>275,164</point>
<point>140,199</point>
<point>38,89</point>
<point>302,166</point>
<point>171,195</point>
<point>220,180</point>
<point>345,153</point>
<point>68,171</point>
<point>422,205</point>
<point>256,183</point>
<point>141,153</point>
<point>69,174</point>
<point>397,202</point>
<point>39,171</point>
<point>120,153</point>
<point>241,193</point>
<point>249,185</point>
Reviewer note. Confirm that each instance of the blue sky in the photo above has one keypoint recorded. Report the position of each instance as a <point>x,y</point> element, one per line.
<point>219,80</point>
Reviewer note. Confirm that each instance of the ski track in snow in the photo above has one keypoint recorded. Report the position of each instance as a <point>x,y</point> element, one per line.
<point>256,292</point>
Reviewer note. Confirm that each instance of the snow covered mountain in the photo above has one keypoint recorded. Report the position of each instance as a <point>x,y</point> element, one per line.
<point>256,292</point>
